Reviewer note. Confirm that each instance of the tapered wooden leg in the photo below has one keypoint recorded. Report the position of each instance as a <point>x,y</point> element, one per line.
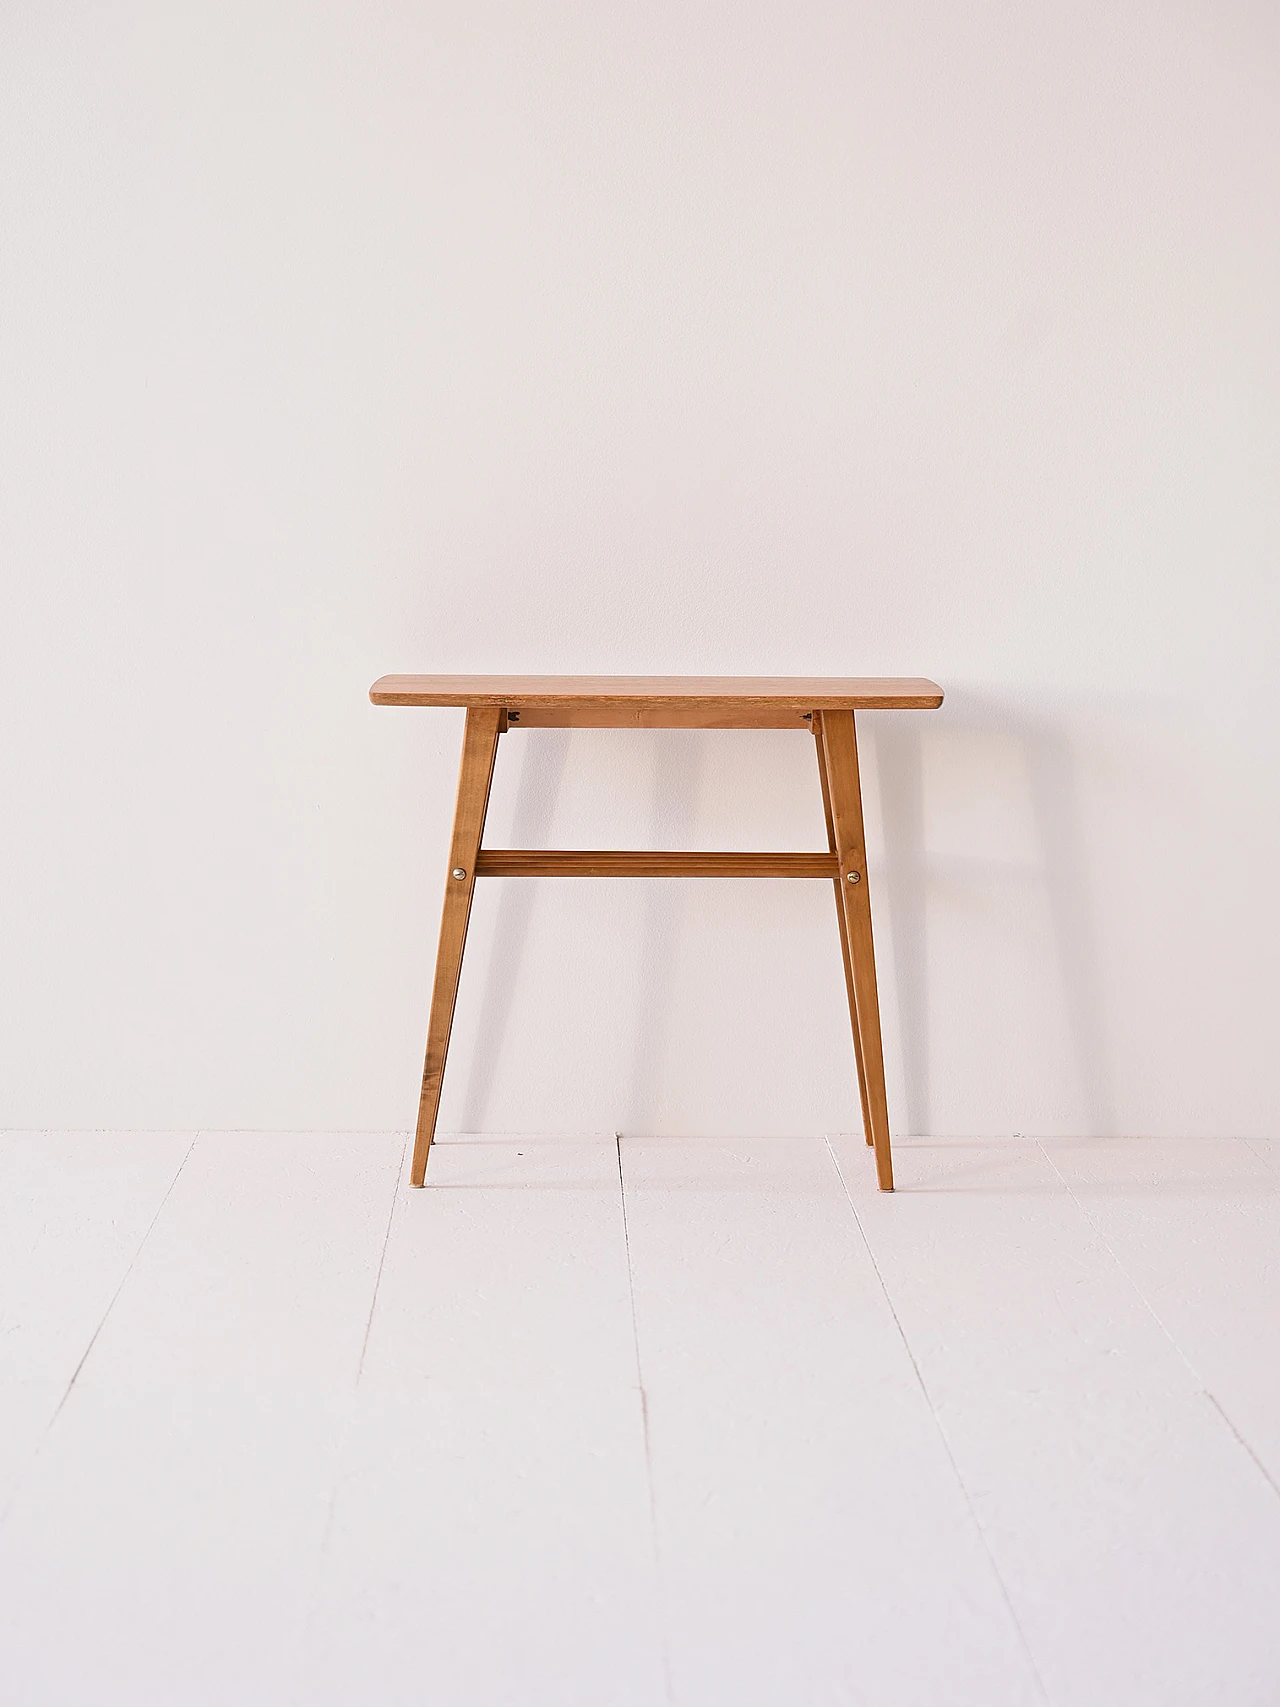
<point>479,745</point>
<point>840,750</point>
<point>844,933</point>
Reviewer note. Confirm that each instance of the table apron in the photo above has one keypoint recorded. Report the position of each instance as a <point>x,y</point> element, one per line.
<point>585,862</point>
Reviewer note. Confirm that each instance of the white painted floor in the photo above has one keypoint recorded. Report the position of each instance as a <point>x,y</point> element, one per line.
<point>649,1421</point>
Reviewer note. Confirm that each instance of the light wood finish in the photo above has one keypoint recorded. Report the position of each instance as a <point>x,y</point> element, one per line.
<point>615,714</point>
<point>479,748</point>
<point>840,751</point>
<point>587,862</point>
<point>823,704</point>
<point>737,698</point>
<point>844,932</point>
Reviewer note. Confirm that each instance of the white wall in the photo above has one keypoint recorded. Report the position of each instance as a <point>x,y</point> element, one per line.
<point>921,338</point>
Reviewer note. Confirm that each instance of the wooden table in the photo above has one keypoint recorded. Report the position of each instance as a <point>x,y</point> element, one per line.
<point>824,707</point>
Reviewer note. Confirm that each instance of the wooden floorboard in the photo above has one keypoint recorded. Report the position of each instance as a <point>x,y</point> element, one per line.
<point>75,1208</point>
<point>163,1546</point>
<point>491,1538</point>
<point>745,1431</point>
<point>1138,1541</point>
<point>814,1541</point>
<point>1195,1224</point>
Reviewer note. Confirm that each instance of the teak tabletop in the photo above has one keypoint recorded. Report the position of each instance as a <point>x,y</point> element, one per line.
<point>825,706</point>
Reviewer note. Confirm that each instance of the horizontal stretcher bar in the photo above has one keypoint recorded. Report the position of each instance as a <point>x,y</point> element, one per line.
<point>586,862</point>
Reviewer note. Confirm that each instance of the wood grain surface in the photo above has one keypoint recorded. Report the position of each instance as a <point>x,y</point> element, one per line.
<point>479,748</point>
<point>844,791</point>
<point>850,987</point>
<point>736,698</point>
<point>591,862</point>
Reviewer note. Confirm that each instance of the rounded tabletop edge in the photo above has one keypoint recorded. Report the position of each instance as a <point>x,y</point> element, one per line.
<point>816,693</point>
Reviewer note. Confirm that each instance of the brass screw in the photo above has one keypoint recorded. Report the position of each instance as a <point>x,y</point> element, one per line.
<point>458,871</point>
<point>854,876</point>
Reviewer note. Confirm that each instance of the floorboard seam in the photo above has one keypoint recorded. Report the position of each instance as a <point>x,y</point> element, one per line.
<point>1262,1469</point>
<point>644,1410</point>
<point>942,1433</point>
<point>1155,1317</point>
<point>20,1483</point>
<point>382,1260</point>
<point>331,1509</point>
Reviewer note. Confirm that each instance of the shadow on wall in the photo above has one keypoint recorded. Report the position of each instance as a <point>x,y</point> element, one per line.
<point>974,751</point>
<point>1057,866</point>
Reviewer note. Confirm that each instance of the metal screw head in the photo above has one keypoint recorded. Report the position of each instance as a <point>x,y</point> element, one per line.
<point>458,871</point>
<point>854,876</point>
